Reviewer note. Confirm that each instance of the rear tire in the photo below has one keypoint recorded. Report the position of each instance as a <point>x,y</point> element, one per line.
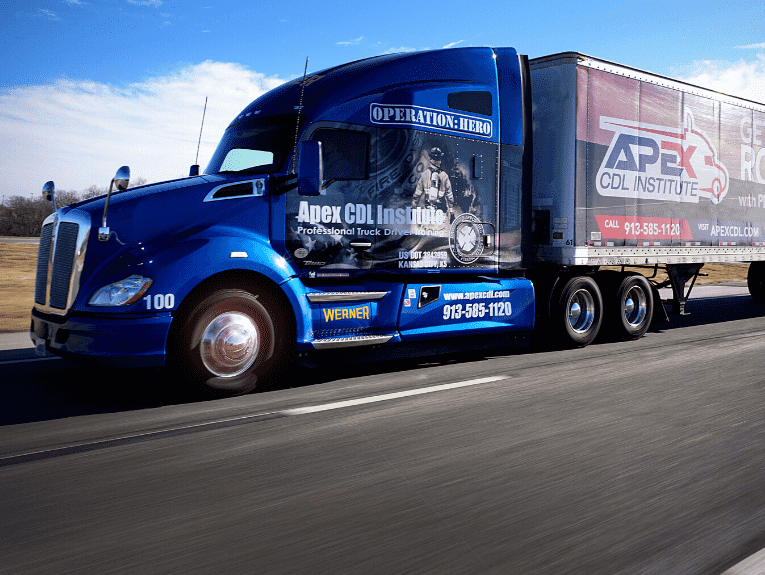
<point>579,312</point>
<point>227,343</point>
<point>755,280</point>
<point>631,307</point>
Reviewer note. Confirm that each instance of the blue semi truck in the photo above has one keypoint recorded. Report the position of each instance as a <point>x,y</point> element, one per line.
<point>457,195</point>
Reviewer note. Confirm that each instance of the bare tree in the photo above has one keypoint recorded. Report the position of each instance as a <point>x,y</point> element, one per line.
<point>20,216</point>
<point>93,191</point>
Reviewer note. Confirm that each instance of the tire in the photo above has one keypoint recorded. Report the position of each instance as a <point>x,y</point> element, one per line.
<point>755,280</point>
<point>630,308</point>
<point>579,312</point>
<point>228,342</point>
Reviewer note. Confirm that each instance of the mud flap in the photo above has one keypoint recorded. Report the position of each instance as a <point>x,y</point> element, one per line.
<point>659,311</point>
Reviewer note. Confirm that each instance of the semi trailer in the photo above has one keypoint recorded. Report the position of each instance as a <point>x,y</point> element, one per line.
<point>411,201</point>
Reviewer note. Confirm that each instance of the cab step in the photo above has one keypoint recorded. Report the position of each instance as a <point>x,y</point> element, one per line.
<point>352,341</point>
<point>341,296</point>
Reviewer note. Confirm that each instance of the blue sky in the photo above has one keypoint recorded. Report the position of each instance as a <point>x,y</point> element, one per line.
<point>89,85</point>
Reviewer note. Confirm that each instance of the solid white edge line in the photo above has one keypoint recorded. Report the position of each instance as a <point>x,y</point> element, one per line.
<point>752,565</point>
<point>389,396</point>
<point>296,411</point>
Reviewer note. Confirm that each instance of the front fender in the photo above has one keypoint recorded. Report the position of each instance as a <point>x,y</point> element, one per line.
<point>179,268</point>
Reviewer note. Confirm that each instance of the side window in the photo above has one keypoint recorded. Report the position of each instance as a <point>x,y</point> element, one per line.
<point>475,102</point>
<point>345,154</point>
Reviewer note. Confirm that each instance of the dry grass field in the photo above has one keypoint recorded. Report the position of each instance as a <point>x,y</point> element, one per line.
<point>18,263</point>
<point>717,273</point>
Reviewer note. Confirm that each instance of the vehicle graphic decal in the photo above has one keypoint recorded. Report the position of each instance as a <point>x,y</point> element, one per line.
<point>419,117</point>
<point>647,161</point>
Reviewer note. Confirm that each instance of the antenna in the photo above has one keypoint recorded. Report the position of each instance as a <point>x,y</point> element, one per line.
<point>300,108</point>
<point>196,162</point>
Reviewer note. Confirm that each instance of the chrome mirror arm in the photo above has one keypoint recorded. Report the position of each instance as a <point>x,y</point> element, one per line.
<point>49,193</point>
<point>103,231</point>
<point>122,178</point>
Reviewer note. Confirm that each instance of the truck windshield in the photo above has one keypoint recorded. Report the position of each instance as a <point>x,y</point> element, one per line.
<point>259,145</point>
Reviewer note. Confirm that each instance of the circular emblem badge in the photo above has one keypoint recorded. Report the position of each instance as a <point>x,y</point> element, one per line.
<point>466,238</point>
<point>300,253</point>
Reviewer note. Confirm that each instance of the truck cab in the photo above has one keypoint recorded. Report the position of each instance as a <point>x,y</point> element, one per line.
<point>368,206</point>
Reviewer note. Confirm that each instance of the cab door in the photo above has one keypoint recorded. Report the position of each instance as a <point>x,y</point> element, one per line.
<point>332,235</point>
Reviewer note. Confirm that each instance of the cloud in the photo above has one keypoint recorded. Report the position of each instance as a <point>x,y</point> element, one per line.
<point>351,42</point>
<point>78,132</point>
<point>74,2</point>
<point>453,44</point>
<point>399,50</point>
<point>50,15</point>
<point>155,3</point>
<point>745,79</point>
<point>759,46</point>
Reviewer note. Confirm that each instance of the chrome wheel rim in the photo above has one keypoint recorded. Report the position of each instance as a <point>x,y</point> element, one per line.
<point>635,306</point>
<point>230,344</point>
<point>581,311</point>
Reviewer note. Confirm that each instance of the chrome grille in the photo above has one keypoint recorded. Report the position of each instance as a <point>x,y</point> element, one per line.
<point>63,262</point>
<point>60,259</point>
<point>43,257</point>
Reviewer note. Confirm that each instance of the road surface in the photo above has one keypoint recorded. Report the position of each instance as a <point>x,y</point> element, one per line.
<point>620,458</point>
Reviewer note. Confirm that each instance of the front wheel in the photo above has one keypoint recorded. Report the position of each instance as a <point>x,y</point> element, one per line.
<point>580,311</point>
<point>227,343</point>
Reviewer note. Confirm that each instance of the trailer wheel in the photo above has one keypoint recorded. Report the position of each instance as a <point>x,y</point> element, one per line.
<point>631,307</point>
<point>580,311</point>
<point>755,280</point>
<point>227,342</point>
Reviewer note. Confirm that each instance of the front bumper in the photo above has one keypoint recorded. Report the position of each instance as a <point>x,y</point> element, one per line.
<point>116,341</point>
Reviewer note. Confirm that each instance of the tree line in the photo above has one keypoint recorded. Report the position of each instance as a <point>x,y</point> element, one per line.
<point>23,217</point>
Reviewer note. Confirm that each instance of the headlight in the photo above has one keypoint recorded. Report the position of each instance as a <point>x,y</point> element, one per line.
<point>123,292</point>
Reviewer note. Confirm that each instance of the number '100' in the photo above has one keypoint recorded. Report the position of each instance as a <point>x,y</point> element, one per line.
<point>160,301</point>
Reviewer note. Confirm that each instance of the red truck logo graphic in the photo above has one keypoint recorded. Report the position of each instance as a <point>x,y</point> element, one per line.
<point>647,161</point>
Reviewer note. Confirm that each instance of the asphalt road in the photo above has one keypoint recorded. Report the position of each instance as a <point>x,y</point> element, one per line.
<point>620,458</point>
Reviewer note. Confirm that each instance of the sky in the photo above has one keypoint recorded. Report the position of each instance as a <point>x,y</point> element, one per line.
<point>87,86</point>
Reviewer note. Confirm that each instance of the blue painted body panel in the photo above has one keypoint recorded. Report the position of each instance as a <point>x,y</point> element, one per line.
<point>363,317</point>
<point>117,341</point>
<point>510,96</point>
<point>488,306</point>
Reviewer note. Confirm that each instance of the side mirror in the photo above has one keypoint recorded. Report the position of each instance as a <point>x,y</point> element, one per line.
<point>310,169</point>
<point>122,179</point>
<point>49,193</point>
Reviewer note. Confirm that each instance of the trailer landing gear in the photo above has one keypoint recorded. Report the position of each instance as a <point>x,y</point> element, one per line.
<point>679,274</point>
